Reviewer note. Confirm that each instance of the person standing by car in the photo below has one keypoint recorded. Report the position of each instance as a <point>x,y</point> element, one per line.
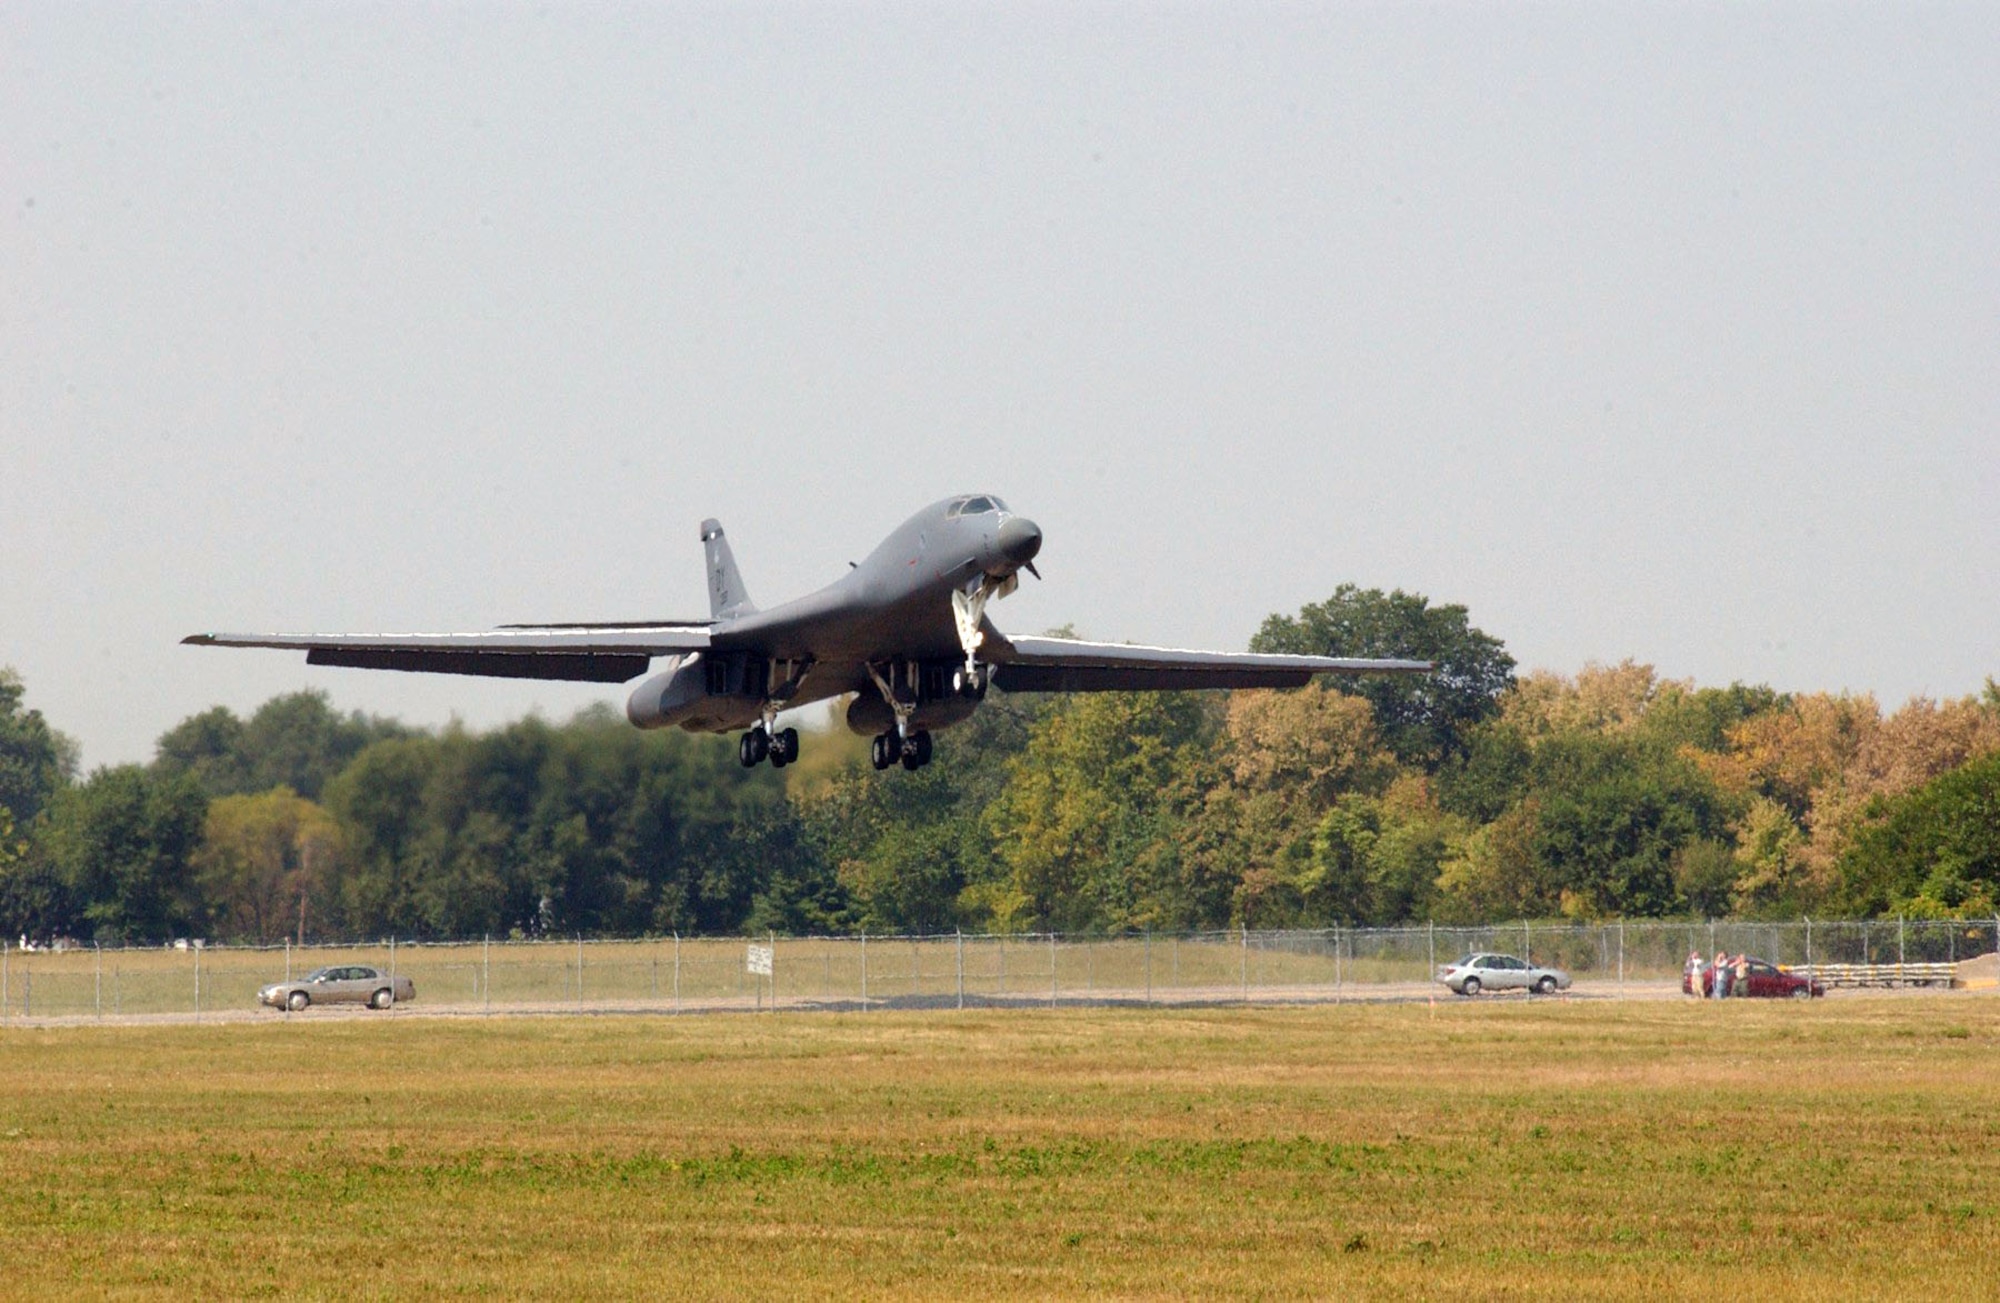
<point>1692,976</point>
<point>1719,988</point>
<point>1741,986</point>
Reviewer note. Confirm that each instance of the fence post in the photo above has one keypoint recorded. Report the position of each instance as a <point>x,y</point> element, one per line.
<point>864,970</point>
<point>1899,948</point>
<point>1809,965</point>
<point>392,969</point>
<point>288,956</point>
<point>1431,937</point>
<point>1336,963</point>
<point>1621,952</point>
<point>1243,930</point>
<point>1149,965</point>
<point>677,971</point>
<point>579,968</point>
<point>6,991</point>
<point>197,980</point>
<point>1052,969</point>
<point>961,966</point>
<point>97,955</point>
<point>1527,942</point>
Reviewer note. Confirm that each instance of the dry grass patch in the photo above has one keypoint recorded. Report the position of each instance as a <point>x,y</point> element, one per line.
<point>1492,1149</point>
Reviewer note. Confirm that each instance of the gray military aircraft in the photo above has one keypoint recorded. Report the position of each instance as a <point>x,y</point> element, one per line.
<point>905,631</point>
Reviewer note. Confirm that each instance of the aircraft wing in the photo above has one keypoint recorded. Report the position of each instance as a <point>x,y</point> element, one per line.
<point>583,653</point>
<point>1066,665</point>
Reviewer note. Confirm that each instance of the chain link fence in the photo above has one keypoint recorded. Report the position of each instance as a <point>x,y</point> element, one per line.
<point>676,974</point>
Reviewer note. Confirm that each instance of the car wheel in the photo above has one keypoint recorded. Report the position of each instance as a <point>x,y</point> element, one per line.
<point>383,998</point>
<point>1546,985</point>
<point>1802,993</point>
<point>297,1000</point>
<point>1471,986</point>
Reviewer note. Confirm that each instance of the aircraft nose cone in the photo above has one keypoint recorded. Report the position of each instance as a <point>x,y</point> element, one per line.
<point>1020,538</point>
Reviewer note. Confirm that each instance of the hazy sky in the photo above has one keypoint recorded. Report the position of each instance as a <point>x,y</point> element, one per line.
<point>1656,331</point>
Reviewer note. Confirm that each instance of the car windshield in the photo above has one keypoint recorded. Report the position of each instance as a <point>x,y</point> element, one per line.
<point>320,975</point>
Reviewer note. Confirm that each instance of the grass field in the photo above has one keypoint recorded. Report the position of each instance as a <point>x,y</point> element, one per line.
<point>1499,1149</point>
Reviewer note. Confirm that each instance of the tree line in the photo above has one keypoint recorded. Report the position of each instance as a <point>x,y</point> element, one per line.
<point>1472,794</point>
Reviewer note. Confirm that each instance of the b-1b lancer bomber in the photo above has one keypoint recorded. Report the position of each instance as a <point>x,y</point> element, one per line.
<point>906,631</point>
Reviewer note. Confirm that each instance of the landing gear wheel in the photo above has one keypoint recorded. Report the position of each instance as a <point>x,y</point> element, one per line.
<point>917,750</point>
<point>882,752</point>
<point>754,748</point>
<point>785,747</point>
<point>969,683</point>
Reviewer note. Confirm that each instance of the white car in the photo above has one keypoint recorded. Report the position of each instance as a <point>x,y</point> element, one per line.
<point>341,984</point>
<point>1476,973</point>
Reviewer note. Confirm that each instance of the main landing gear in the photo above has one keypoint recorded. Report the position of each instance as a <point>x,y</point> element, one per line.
<point>760,744</point>
<point>913,751</point>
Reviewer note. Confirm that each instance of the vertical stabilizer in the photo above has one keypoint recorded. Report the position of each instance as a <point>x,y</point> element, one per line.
<point>726,593</point>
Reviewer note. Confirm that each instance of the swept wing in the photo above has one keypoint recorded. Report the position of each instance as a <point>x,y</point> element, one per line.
<point>1069,665</point>
<point>595,653</point>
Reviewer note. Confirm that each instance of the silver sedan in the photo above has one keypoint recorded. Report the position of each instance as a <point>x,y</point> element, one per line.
<point>339,984</point>
<point>1476,973</point>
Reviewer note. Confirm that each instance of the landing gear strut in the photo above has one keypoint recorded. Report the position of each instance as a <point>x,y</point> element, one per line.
<point>910,746</point>
<point>968,611</point>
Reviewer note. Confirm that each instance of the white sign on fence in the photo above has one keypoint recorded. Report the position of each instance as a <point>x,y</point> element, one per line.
<point>758,960</point>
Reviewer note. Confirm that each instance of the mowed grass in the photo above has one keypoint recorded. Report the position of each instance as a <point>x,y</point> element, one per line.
<point>1490,1149</point>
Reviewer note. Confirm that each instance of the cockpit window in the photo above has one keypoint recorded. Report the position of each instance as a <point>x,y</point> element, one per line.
<point>973,507</point>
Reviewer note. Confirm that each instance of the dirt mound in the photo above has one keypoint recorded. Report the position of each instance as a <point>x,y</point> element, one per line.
<point>1982,973</point>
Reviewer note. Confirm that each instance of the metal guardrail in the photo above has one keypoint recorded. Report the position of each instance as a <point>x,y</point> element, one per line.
<point>1880,975</point>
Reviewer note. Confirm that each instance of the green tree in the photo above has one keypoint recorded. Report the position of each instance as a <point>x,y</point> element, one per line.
<point>1613,813</point>
<point>120,846</point>
<point>262,858</point>
<point>1423,718</point>
<point>1934,851</point>
<point>296,740</point>
<point>35,760</point>
<point>1088,806</point>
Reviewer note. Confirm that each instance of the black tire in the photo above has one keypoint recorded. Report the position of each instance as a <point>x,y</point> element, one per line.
<point>881,753</point>
<point>1469,987</point>
<point>923,747</point>
<point>789,740</point>
<point>1802,993</point>
<point>1546,986</point>
<point>746,751</point>
<point>382,999</point>
<point>297,1001</point>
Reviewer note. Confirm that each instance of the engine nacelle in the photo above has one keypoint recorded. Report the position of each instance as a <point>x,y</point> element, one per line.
<point>868,714</point>
<point>671,697</point>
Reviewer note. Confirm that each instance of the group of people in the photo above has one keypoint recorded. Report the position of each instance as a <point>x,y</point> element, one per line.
<point>1728,975</point>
